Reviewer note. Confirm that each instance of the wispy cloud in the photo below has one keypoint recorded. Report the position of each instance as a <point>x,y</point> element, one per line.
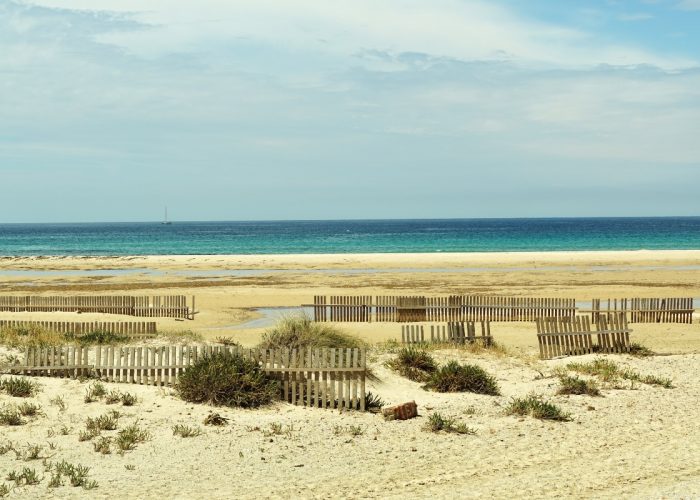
<point>638,16</point>
<point>689,5</point>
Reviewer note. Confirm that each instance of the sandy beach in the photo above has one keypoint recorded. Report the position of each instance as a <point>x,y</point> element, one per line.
<point>629,443</point>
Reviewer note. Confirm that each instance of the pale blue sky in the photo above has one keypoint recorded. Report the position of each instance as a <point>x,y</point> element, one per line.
<point>259,109</point>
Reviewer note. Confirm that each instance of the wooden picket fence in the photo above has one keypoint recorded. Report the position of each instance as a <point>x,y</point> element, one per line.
<point>322,378</point>
<point>131,329</point>
<point>665,310</point>
<point>454,332</point>
<point>575,336</point>
<point>171,306</point>
<point>457,308</point>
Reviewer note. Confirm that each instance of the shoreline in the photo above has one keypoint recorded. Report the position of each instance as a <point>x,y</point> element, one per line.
<point>358,260</point>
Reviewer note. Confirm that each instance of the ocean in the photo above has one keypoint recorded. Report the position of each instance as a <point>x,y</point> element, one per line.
<point>351,236</point>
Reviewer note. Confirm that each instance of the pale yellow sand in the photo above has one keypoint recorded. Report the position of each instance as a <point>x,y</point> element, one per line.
<point>635,444</point>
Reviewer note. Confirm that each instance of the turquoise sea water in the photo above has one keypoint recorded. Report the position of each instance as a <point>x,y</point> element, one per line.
<point>400,236</point>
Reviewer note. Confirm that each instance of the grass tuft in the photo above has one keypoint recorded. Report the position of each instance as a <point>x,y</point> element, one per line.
<point>608,371</point>
<point>454,377</point>
<point>575,385</point>
<point>186,431</point>
<point>437,423</point>
<point>130,436</point>
<point>413,363</point>
<point>19,387</point>
<point>535,406</point>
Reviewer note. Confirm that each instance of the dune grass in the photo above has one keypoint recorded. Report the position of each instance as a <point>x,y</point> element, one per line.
<point>576,385</point>
<point>454,377</point>
<point>413,363</point>
<point>535,406</point>
<point>19,387</point>
<point>610,372</point>
<point>32,335</point>
<point>439,423</point>
<point>300,331</point>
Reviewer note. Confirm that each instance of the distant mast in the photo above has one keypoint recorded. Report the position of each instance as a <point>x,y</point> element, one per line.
<point>165,220</point>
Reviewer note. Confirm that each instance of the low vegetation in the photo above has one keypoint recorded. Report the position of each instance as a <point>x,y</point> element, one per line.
<point>611,372</point>
<point>373,403</point>
<point>227,379</point>
<point>300,331</point>
<point>32,335</point>
<point>185,431</point>
<point>576,385</point>
<point>535,406</point>
<point>10,415</point>
<point>439,423</point>
<point>19,387</point>
<point>454,377</point>
<point>413,363</point>
<point>130,436</point>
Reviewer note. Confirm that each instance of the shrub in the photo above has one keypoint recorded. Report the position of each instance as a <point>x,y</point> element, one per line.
<point>28,409</point>
<point>128,399</point>
<point>10,415</point>
<point>373,403</point>
<point>454,377</point>
<point>228,380</point>
<point>641,351</point>
<point>185,431</point>
<point>113,397</point>
<point>106,422</point>
<point>575,385</point>
<point>300,331</point>
<point>414,364</point>
<point>130,436</point>
<point>534,406</point>
<point>26,477</point>
<point>19,387</point>
<point>103,445</point>
<point>228,341</point>
<point>437,422</point>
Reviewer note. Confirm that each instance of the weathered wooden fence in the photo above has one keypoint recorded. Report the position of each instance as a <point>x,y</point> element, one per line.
<point>171,306</point>
<point>453,332</point>
<point>403,309</point>
<point>131,329</point>
<point>574,336</point>
<point>323,378</point>
<point>668,310</point>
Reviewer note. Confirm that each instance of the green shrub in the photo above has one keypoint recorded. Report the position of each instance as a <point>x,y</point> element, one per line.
<point>414,364</point>
<point>19,387</point>
<point>575,385</point>
<point>103,445</point>
<point>454,377</point>
<point>228,380</point>
<point>128,437</point>
<point>300,331</point>
<point>113,397</point>
<point>10,415</point>
<point>28,409</point>
<point>128,399</point>
<point>437,422</point>
<point>373,403</point>
<point>534,406</point>
<point>106,422</point>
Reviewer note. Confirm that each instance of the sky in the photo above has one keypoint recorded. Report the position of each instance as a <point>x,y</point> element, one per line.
<point>323,109</point>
